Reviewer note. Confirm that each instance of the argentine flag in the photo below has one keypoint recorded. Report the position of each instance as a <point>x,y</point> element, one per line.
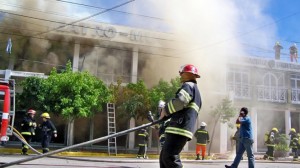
<point>8,47</point>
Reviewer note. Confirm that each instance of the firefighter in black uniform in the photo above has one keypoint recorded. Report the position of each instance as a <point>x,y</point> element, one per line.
<point>294,143</point>
<point>183,111</point>
<point>28,126</point>
<point>143,140</point>
<point>48,129</point>
<point>202,137</point>
<point>271,141</point>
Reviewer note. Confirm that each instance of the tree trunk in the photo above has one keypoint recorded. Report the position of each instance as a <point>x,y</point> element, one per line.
<point>91,128</point>
<point>70,132</point>
<point>132,134</point>
<point>213,134</point>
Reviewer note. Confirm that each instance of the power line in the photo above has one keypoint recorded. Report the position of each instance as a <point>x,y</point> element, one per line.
<point>63,23</point>
<point>94,45</point>
<point>128,13</point>
<point>85,18</point>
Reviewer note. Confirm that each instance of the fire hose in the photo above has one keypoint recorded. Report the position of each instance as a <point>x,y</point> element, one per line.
<point>85,143</point>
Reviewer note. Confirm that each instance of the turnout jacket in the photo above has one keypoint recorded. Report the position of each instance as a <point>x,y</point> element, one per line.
<point>48,128</point>
<point>183,110</point>
<point>28,126</point>
<point>202,136</point>
<point>143,138</point>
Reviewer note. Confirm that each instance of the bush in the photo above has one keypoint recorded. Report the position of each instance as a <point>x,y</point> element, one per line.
<point>282,144</point>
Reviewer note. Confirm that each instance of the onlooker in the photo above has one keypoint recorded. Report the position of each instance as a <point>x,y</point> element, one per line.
<point>236,138</point>
<point>246,140</point>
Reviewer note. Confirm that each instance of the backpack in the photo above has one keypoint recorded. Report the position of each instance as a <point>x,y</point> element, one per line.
<point>266,137</point>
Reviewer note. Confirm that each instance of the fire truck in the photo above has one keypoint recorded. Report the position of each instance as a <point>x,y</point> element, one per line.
<point>7,109</point>
<point>7,100</point>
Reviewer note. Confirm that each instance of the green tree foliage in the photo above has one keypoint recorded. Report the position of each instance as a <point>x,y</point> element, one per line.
<point>70,94</point>
<point>163,91</point>
<point>74,94</point>
<point>136,100</point>
<point>32,95</point>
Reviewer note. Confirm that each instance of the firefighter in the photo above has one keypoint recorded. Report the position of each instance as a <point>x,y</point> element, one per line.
<point>202,137</point>
<point>183,110</point>
<point>236,138</point>
<point>294,143</point>
<point>271,141</point>
<point>48,130</point>
<point>143,140</point>
<point>162,125</point>
<point>28,126</point>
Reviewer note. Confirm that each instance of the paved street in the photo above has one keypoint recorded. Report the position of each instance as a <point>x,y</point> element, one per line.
<point>96,162</point>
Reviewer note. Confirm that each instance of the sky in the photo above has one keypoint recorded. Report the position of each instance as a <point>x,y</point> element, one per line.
<point>257,24</point>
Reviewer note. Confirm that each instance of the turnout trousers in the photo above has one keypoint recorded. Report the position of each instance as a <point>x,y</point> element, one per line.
<point>45,142</point>
<point>25,148</point>
<point>170,153</point>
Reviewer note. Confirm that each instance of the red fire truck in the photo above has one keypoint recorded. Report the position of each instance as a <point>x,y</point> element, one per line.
<point>7,108</point>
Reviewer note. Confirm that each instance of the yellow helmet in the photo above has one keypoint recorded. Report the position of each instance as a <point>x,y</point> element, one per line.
<point>293,130</point>
<point>238,125</point>
<point>45,115</point>
<point>275,129</point>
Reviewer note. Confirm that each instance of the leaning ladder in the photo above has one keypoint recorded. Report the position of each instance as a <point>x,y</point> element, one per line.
<point>111,129</point>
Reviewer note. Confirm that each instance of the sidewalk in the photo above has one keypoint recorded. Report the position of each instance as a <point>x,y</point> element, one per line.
<point>101,152</point>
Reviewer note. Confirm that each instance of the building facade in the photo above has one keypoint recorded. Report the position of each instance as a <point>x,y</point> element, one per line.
<point>270,89</point>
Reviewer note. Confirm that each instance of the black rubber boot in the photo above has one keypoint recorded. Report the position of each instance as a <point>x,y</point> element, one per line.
<point>198,157</point>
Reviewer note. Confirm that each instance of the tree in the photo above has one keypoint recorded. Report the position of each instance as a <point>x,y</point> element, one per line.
<point>31,97</point>
<point>223,112</point>
<point>71,95</point>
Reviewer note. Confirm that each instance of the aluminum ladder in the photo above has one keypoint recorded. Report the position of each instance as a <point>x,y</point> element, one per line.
<point>111,129</point>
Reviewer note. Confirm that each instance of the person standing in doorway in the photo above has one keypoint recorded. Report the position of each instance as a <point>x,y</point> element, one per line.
<point>246,140</point>
<point>28,126</point>
<point>183,110</point>
<point>202,137</point>
<point>48,130</point>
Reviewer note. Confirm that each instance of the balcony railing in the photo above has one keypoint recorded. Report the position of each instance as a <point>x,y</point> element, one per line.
<point>295,96</point>
<point>272,94</point>
<point>240,91</point>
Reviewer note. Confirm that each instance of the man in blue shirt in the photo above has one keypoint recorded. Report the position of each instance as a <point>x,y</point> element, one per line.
<point>246,140</point>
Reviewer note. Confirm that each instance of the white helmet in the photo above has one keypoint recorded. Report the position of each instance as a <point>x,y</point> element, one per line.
<point>203,124</point>
<point>161,104</point>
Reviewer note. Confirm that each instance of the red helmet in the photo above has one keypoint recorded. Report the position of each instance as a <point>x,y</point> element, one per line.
<point>190,69</point>
<point>31,111</point>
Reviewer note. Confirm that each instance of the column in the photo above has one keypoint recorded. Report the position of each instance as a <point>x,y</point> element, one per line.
<point>76,57</point>
<point>288,123</point>
<point>134,66</point>
<point>134,73</point>
<point>254,127</point>
<point>223,137</point>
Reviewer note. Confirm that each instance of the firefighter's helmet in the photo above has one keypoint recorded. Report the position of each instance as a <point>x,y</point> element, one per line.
<point>161,104</point>
<point>238,125</point>
<point>293,130</point>
<point>190,69</point>
<point>203,124</point>
<point>45,115</point>
<point>275,129</point>
<point>31,111</point>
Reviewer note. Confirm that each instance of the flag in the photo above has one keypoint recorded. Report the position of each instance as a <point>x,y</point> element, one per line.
<point>8,47</point>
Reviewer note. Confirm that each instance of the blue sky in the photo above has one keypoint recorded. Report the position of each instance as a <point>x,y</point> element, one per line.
<point>253,25</point>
